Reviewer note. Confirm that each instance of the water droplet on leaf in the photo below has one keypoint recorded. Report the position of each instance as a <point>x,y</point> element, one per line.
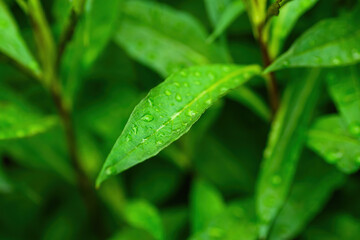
<point>178,97</point>
<point>191,113</point>
<point>334,156</point>
<point>167,93</point>
<point>147,118</point>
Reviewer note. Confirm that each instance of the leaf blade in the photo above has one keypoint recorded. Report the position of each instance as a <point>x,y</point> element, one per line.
<point>195,89</point>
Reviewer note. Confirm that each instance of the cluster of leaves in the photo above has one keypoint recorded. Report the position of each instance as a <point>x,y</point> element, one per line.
<point>91,88</point>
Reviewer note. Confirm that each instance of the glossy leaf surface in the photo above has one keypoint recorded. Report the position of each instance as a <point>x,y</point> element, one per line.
<point>301,206</point>
<point>167,40</point>
<point>142,215</point>
<point>344,87</point>
<point>282,25</point>
<point>284,147</point>
<point>169,110</point>
<point>330,138</point>
<point>332,42</point>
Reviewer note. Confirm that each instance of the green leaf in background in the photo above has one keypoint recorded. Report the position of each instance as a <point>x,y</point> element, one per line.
<point>206,203</point>
<point>237,221</point>
<point>16,122</point>
<point>165,40</point>
<point>251,99</point>
<point>95,29</point>
<point>333,42</point>
<point>12,43</point>
<point>282,25</point>
<point>18,119</point>
<point>232,11</point>
<point>169,110</point>
<point>335,226</point>
<point>143,215</point>
<point>5,183</point>
<point>344,87</point>
<point>306,199</point>
<point>215,9</point>
<point>175,221</point>
<point>330,138</point>
<point>284,146</point>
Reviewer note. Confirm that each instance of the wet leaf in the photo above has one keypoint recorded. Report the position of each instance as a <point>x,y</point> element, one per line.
<point>301,206</point>
<point>284,146</point>
<point>344,87</point>
<point>282,25</point>
<point>165,40</point>
<point>330,138</point>
<point>332,42</point>
<point>169,110</point>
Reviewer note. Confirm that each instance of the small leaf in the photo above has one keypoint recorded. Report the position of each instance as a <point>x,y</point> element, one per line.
<point>18,123</point>
<point>232,11</point>
<point>344,87</point>
<point>301,206</point>
<point>282,25</point>
<point>12,43</point>
<point>142,215</point>
<point>330,138</point>
<point>284,146</point>
<point>333,42</point>
<point>169,110</point>
<point>237,221</point>
<point>166,40</point>
<point>206,203</point>
<point>215,9</point>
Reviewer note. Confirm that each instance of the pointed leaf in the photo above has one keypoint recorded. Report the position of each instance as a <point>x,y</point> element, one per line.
<point>333,42</point>
<point>206,203</point>
<point>284,147</point>
<point>12,43</point>
<point>301,206</point>
<point>282,25</point>
<point>231,12</point>
<point>169,110</point>
<point>215,9</point>
<point>344,86</point>
<point>329,137</point>
<point>143,215</point>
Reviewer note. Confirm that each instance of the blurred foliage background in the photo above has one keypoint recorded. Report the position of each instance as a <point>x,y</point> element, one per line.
<point>203,185</point>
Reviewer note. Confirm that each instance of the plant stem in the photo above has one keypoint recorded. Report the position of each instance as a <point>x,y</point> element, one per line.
<point>270,78</point>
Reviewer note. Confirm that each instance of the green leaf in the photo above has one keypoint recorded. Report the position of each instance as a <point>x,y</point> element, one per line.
<point>333,42</point>
<point>282,25</point>
<point>215,9</point>
<point>238,221</point>
<point>206,203</point>
<point>284,147</point>
<point>252,100</point>
<point>5,183</point>
<point>142,215</point>
<point>18,119</point>
<point>344,87</point>
<point>329,137</point>
<point>232,11</point>
<point>301,206</point>
<point>175,221</point>
<point>12,44</point>
<point>16,122</point>
<point>169,110</point>
<point>93,32</point>
<point>165,40</point>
